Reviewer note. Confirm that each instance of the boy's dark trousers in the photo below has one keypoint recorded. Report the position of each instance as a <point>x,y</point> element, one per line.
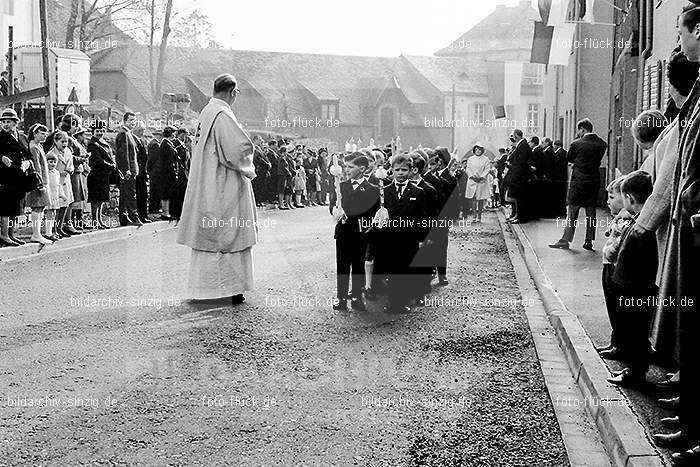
<point>350,251</point>
<point>636,309</point>
<point>402,278</point>
<point>612,302</point>
<point>441,245</point>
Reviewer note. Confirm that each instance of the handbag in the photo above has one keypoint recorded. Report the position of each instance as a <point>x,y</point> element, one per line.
<point>31,180</point>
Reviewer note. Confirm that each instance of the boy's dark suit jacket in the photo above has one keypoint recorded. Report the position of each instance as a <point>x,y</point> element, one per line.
<point>440,187</point>
<point>360,205</point>
<point>431,198</point>
<point>410,208</point>
<point>636,261</point>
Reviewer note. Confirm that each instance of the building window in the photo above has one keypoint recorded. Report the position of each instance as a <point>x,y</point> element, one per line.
<point>533,118</point>
<point>329,111</point>
<point>534,72</point>
<point>479,113</point>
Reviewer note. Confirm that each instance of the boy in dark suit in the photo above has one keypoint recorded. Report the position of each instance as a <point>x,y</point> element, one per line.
<point>360,201</point>
<point>424,259</point>
<point>635,278</point>
<point>406,205</point>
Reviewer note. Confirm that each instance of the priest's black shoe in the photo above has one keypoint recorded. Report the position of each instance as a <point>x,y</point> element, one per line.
<point>691,457</point>
<point>341,305</point>
<point>370,294</point>
<point>237,299</point>
<point>358,305</point>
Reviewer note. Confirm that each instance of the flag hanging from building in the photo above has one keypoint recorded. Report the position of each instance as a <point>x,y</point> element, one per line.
<point>551,45</point>
<point>504,84</point>
<point>496,84</point>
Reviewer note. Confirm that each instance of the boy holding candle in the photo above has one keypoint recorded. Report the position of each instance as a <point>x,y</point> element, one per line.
<point>359,201</point>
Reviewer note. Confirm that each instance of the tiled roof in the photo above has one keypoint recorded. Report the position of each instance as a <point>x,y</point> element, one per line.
<point>291,80</point>
<point>442,72</point>
<point>506,28</point>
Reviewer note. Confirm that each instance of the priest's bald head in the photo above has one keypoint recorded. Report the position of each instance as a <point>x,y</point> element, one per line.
<point>226,88</point>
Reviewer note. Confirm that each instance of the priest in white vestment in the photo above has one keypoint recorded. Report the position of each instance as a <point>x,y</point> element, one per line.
<point>219,221</point>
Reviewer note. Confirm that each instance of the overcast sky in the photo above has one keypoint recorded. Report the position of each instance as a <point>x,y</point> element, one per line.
<point>346,27</point>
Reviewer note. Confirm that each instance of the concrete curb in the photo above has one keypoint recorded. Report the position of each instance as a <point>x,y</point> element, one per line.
<point>89,238</point>
<point>623,435</point>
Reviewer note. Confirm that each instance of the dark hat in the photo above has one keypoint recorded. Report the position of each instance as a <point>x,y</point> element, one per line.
<point>168,131</point>
<point>9,114</point>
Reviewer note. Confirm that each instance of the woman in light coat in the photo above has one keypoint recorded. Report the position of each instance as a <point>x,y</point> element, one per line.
<point>478,188</point>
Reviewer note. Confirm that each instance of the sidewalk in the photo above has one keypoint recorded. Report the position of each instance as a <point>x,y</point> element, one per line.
<point>575,273</point>
<point>90,237</point>
<point>570,283</point>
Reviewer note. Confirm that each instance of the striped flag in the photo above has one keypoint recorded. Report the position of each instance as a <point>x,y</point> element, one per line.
<point>504,84</point>
<point>551,45</point>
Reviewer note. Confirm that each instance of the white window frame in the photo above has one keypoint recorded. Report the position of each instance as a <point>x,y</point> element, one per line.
<point>533,117</point>
<point>479,113</point>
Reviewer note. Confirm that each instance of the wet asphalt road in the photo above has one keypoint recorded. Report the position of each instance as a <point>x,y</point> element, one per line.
<point>103,361</point>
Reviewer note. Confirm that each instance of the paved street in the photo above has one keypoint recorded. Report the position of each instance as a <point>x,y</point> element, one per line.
<point>103,362</point>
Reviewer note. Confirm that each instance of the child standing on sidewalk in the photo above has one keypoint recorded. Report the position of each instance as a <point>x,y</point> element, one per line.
<point>621,220</point>
<point>635,278</point>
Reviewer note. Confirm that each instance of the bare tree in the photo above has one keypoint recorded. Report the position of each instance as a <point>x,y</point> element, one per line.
<point>193,30</point>
<point>95,19</point>
<point>151,43</point>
